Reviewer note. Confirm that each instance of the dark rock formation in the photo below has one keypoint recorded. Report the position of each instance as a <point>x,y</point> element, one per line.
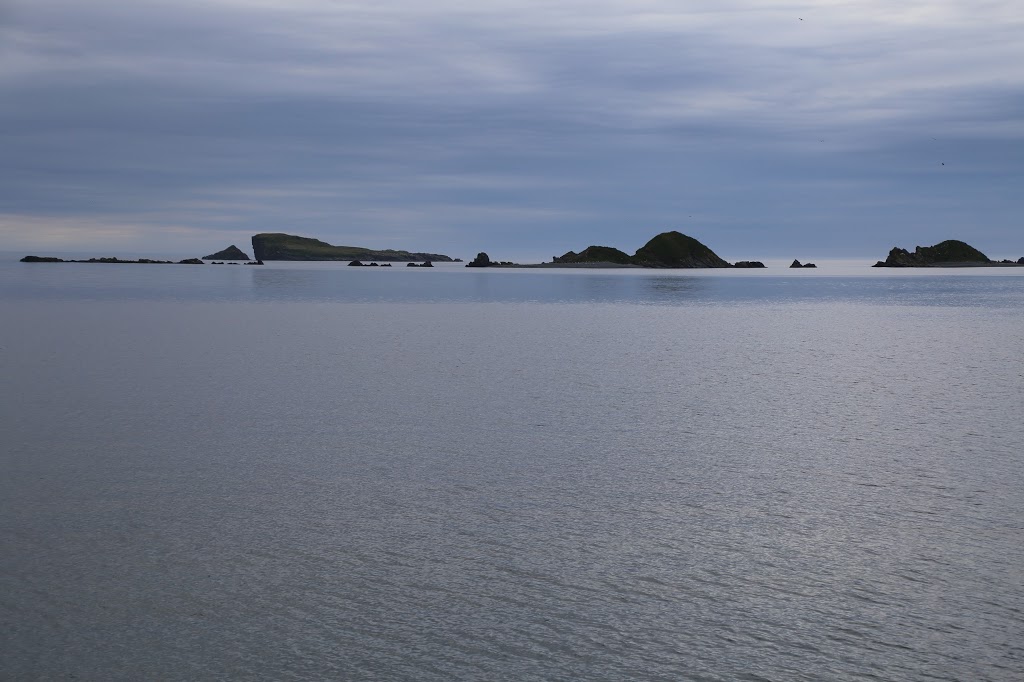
<point>595,254</point>
<point>798,264</point>
<point>277,246</point>
<point>676,250</point>
<point>118,260</point>
<point>426,264</point>
<point>49,259</point>
<point>230,253</point>
<point>949,252</point>
<point>748,264</point>
<point>482,260</point>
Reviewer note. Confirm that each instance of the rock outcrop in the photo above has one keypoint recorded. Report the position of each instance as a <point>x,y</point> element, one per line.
<point>798,264</point>
<point>278,246</point>
<point>482,260</point>
<point>948,253</point>
<point>748,264</point>
<point>230,253</point>
<point>595,254</point>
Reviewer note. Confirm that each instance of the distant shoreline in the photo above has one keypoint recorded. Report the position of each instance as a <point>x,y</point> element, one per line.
<point>580,266</point>
<point>622,266</point>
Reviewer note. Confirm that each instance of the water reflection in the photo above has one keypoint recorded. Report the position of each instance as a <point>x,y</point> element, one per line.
<point>668,289</point>
<point>338,283</point>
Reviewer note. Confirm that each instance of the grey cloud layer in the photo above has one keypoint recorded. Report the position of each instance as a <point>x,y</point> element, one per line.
<point>738,122</point>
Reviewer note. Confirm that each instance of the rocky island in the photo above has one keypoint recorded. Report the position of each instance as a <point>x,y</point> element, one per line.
<point>950,253</point>
<point>482,260</point>
<point>278,246</point>
<point>676,250</point>
<point>230,253</point>
<point>666,250</point>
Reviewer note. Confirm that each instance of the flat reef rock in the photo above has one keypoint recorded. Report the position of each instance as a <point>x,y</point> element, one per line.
<point>230,253</point>
<point>676,250</point>
<point>949,252</point>
<point>279,246</point>
<point>112,259</point>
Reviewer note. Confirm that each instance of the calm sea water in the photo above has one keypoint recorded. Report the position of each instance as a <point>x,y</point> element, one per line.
<point>307,471</point>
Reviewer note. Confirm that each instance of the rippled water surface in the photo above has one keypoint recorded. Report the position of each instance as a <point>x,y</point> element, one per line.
<point>308,472</point>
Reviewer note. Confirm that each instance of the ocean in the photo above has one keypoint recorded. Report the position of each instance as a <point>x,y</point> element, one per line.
<point>305,471</point>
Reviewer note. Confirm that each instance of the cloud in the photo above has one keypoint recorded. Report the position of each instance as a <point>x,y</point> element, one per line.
<point>608,118</point>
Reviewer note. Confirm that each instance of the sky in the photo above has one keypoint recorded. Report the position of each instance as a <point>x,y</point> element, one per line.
<point>526,128</point>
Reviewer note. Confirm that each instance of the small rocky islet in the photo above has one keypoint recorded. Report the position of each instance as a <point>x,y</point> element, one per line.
<point>230,253</point>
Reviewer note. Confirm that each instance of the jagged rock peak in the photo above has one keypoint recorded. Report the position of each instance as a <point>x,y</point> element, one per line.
<point>230,253</point>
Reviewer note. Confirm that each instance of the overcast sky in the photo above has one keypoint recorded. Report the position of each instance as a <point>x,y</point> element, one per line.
<point>522,128</point>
